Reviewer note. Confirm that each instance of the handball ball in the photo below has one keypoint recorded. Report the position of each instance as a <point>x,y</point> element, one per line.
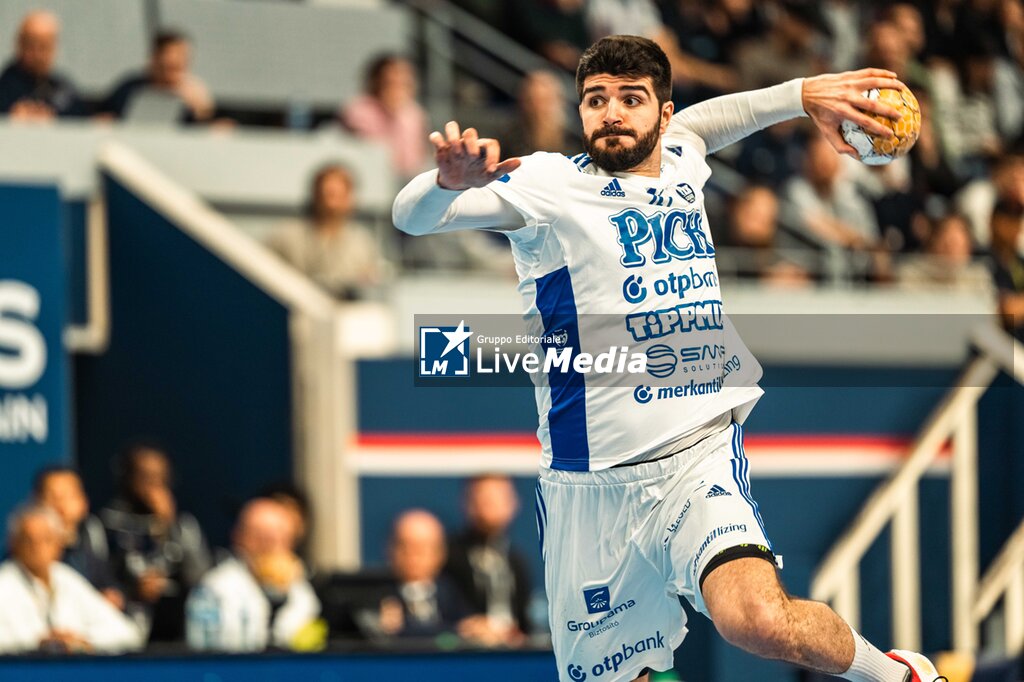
<point>877,151</point>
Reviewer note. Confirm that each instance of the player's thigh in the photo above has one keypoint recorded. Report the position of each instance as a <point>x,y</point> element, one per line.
<point>713,521</point>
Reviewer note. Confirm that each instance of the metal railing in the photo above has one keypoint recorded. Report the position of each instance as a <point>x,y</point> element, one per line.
<point>896,500</point>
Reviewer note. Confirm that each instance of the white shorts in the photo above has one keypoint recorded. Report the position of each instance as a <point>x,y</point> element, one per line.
<point>620,545</point>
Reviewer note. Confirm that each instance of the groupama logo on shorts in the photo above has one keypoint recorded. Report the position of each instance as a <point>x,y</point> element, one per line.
<point>598,599</point>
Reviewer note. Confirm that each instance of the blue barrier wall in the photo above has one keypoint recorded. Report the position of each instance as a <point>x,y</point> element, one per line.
<point>34,395</point>
<point>199,361</point>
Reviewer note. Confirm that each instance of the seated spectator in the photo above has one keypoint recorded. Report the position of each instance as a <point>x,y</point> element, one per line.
<point>168,74</point>
<point>30,89</point>
<point>977,199</point>
<point>158,552</point>
<point>491,574</point>
<point>946,262</point>
<point>790,48</point>
<point>328,246</point>
<point>541,123</point>
<point>831,209</point>
<point>422,602</point>
<point>296,502</point>
<point>259,597</point>
<point>388,112</point>
<point>48,606</point>
<point>555,29</point>
<point>85,541</point>
<point>1008,265</point>
<point>752,234</point>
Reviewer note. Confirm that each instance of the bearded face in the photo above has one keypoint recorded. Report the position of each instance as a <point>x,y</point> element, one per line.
<point>617,148</point>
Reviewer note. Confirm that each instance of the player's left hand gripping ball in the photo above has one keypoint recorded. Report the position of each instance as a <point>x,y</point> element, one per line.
<point>876,150</point>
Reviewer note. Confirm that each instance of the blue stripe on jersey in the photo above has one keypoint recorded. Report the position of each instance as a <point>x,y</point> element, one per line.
<point>542,518</point>
<point>741,474</point>
<point>567,418</point>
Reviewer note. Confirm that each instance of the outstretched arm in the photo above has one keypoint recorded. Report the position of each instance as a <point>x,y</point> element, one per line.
<point>828,99</point>
<point>453,196</point>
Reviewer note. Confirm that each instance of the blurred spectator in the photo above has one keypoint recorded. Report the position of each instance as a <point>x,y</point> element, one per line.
<point>1008,265</point>
<point>29,87</point>
<point>830,208</point>
<point>978,198</point>
<point>167,78</point>
<point>641,18</point>
<point>556,29</point>
<point>422,602</point>
<point>260,596</point>
<point>790,49</point>
<point>541,123</point>
<point>491,574</point>
<point>327,245</point>
<point>296,503</point>
<point>48,606</point>
<point>85,541</point>
<point>752,232</point>
<point>389,113</point>
<point>158,552</point>
<point>946,262</point>
<point>889,47</point>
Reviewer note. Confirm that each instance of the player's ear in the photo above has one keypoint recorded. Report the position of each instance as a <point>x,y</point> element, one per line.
<point>667,109</point>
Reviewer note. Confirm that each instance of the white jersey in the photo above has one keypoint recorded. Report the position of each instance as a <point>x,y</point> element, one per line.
<point>590,247</point>
<point>638,250</point>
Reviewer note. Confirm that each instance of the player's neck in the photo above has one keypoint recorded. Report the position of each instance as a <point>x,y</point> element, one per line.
<point>650,167</point>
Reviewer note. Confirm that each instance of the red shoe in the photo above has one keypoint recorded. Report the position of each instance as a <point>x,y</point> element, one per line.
<point>921,669</point>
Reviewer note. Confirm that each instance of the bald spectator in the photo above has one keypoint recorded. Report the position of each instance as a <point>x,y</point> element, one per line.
<point>422,602</point>
<point>541,123</point>
<point>85,540</point>
<point>388,112</point>
<point>491,574</point>
<point>48,606</point>
<point>168,74</point>
<point>30,89</point>
<point>259,597</point>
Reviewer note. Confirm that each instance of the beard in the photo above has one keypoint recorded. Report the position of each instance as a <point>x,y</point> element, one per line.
<point>616,157</point>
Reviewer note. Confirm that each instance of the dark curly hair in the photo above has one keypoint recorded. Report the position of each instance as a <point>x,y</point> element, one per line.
<point>630,56</point>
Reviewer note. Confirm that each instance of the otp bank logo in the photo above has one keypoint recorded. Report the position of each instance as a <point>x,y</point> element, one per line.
<point>444,351</point>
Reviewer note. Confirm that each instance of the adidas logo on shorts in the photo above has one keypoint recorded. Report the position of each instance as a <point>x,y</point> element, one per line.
<point>717,491</point>
<point>613,189</point>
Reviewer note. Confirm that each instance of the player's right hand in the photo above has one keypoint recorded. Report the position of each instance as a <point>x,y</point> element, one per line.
<point>465,160</point>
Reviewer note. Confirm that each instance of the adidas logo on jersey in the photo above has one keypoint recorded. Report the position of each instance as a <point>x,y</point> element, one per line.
<point>717,491</point>
<point>613,189</point>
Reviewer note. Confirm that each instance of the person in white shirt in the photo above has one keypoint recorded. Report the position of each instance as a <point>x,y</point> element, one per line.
<point>49,606</point>
<point>644,494</point>
<point>258,597</point>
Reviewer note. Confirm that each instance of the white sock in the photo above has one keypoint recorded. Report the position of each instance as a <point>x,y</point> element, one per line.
<point>871,665</point>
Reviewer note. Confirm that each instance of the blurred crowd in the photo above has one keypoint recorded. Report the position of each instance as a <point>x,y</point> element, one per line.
<point>140,572</point>
<point>794,212</point>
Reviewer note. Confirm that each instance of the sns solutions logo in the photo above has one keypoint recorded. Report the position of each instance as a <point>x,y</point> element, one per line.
<point>622,653</point>
<point>22,365</point>
<point>444,351</point>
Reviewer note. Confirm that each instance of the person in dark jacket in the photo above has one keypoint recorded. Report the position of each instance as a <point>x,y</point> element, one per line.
<point>158,552</point>
<point>491,574</point>
<point>85,542</point>
<point>30,88</point>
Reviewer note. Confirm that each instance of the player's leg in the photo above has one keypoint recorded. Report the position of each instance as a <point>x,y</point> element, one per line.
<point>751,610</point>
